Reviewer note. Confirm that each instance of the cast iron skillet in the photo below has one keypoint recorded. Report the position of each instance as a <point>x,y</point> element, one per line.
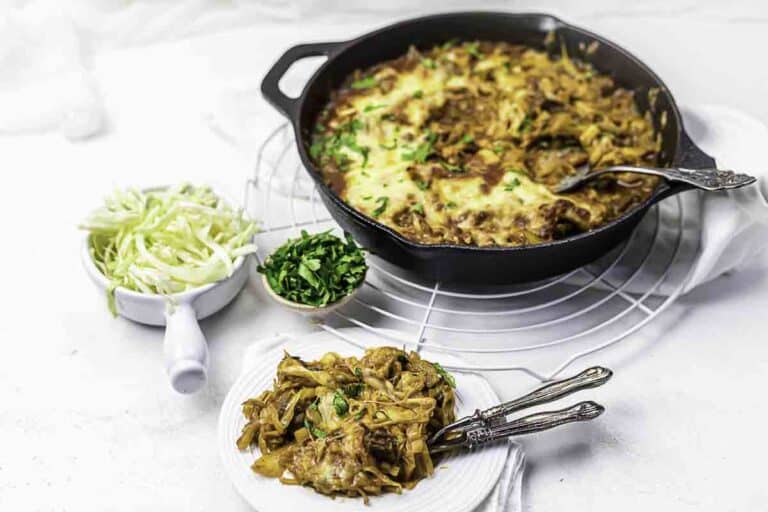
<point>469,264</point>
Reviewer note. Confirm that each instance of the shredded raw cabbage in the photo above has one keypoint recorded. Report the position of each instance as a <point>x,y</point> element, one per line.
<point>166,241</point>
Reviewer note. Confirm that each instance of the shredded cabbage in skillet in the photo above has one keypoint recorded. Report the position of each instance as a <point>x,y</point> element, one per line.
<point>355,427</point>
<point>460,144</point>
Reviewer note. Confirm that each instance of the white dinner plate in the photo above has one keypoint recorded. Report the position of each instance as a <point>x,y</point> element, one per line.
<point>460,481</point>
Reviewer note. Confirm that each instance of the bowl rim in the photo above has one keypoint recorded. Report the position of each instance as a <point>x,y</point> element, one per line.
<point>308,308</point>
<point>101,279</point>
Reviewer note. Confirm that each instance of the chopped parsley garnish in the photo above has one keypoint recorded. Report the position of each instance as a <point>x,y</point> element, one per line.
<point>367,198</point>
<point>381,203</point>
<point>358,373</point>
<point>450,43</point>
<point>371,108</point>
<point>450,204</point>
<point>364,83</point>
<point>353,390</point>
<point>316,149</point>
<point>498,149</point>
<point>467,139</point>
<point>474,50</point>
<point>364,150</point>
<point>451,167</point>
<point>447,377</point>
<point>353,125</point>
<point>429,63</point>
<point>422,151</point>
<point>525,124</point>
<point>423,185</point>
<point>316,270</point>
<point>512,185</point>
<point>329,147</point>
<point>418,94</point>
<point>418,208</point>
<point>360,414</point>
<point>391,146</point>
<point>313,429</point>
<point>340,404</point>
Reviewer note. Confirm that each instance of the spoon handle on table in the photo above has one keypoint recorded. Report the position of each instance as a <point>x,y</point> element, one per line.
<point>589,378</point>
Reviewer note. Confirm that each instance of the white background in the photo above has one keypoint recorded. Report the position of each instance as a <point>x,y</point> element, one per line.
<point>87,419</point>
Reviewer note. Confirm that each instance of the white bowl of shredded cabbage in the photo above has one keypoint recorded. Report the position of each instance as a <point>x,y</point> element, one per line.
<point>170,256</point>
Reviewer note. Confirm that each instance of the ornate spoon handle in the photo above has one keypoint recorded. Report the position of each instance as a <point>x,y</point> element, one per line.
<point>704,179</point>
<point>589,378</point>
<point>480,435</point>
<point>582,411</point>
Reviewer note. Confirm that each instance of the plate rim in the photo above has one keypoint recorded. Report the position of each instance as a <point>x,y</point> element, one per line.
<point>276,344</point>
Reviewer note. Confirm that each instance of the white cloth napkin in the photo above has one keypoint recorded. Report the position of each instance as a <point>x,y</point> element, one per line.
<point>505,497</point>
<point>730,228</point>
<point>734,224</point>
<point>44,84</point>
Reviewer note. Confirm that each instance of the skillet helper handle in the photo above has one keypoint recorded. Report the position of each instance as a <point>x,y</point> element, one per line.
<point>692,156</point>
<point>699,170</point>
<point>270,88</point>
<point>589,378</point>
<point>184,349</point>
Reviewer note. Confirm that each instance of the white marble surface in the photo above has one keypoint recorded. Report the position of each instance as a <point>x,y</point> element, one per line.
<point>88,422</point>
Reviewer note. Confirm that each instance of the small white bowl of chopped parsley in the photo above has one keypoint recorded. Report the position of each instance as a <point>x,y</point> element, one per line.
<point>314,273</point>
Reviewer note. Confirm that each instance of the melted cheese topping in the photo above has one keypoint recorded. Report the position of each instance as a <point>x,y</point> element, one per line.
<point>461,145</point>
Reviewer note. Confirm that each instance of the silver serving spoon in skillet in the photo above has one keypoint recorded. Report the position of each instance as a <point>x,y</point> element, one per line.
<point>703,179</point>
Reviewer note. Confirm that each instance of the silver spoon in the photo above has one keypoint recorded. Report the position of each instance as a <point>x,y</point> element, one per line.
<point>704,179</point>
<point>491,424</point>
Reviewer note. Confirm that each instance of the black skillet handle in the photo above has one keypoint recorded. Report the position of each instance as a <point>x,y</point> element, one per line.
<point>691,157</point>
<point>269,86</point>
<point>697,170</point>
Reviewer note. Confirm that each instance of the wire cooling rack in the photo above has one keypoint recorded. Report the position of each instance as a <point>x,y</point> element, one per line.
<point>523,328</point>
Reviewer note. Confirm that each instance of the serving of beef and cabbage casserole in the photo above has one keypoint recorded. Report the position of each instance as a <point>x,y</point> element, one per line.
<point>349,426</point>
<point>460,144</point>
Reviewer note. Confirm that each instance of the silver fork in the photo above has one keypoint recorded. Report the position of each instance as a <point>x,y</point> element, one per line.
<point>704,179</point>
<point>490,425</point>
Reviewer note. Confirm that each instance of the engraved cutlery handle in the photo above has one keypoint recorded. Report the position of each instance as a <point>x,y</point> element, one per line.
<point>583,411</point>
<point>704,179</point>
<point>589,378</point>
